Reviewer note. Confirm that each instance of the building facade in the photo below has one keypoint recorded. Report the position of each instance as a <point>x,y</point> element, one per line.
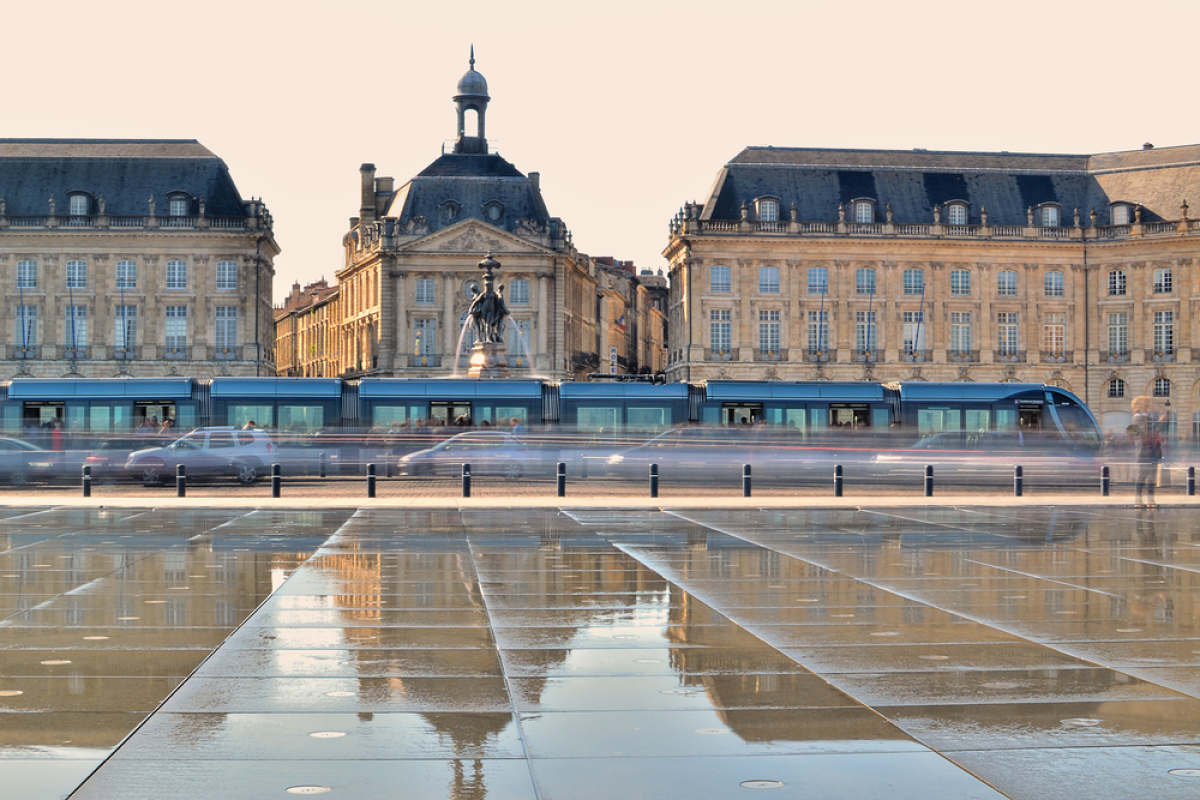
<point>131,257</point>
<point>1081,271</point>
<point>305,346</point>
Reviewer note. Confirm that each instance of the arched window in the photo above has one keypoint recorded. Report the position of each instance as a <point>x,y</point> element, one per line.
<point>1116,388</point>
<point>818,280</point>
<point>718,278</point>
<point>956,214</point>
<point>768,210</point>
<point>1119,213</point>
<point>79,205</point>
<point>864,281</point>
<point>768,280</point>
<point>1050,216</point>
<point>1162,387</point>
<point>1006,283</point>
<point>1054,284</point>
<point>864,211</point>
<point>914,281</point>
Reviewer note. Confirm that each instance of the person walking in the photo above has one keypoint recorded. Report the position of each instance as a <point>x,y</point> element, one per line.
<point>1147,452</point>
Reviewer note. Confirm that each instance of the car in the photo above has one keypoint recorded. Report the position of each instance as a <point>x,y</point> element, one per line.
<point>22,462</point>
<point>989,456</point>
<point>488,453</point>
<point>107,458</point>
<point>206,452</point>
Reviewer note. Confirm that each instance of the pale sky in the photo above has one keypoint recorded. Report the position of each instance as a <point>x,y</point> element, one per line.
<point>627,109</point>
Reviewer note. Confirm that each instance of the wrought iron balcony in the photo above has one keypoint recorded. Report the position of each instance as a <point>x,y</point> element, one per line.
<point>770,355</point>
<point>175,353</point>
<point>1008,356</point>
<point>426,360</point>
<point>1114,356</point>
<point>80,353</point>
<point>918,356</point>
<point>962,356</point>
<point>1057,356</point>
<point>225,353</point>
<point>1162,356</point>
<point>714,354</point>
<point>16,351</point>
<point>126,353</point>
<point>818,356</point>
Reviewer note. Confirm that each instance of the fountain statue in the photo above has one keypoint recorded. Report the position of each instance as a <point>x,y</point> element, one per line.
<point>488,315</point>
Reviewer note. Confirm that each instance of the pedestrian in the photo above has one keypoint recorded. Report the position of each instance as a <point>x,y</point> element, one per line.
<point>517,428</point>
<point>250,425</point>
<point>1147,452</point>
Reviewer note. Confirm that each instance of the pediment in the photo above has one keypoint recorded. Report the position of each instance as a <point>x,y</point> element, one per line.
<point>471,236</point>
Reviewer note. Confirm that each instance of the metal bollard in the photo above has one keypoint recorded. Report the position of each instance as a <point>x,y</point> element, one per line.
<point>837,480</point>
<point>562,479</point>
<point>321,462</point>
<point>180,480</point>
<point>745,480</point>
<point>1018,480</point>
<point>654,480</point>
<point>1191,481</point>
<point>276,480</point>
<point>370,480</point>
<point>87,480</point>
<point>1105,480</point>
<point>466,480</point>
<point>929,480</point>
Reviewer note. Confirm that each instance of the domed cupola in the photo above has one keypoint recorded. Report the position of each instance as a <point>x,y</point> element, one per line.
<point>472,96</point>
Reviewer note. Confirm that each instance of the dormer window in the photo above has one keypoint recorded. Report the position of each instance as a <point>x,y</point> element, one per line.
<point>493,211</point>
<point>79,205</point>
<point>450,210</point>
<point>177,207</point>
<point>956,213</point>
<point>1120,214</point>
<point>1050,216</point>
<point>864,211</point>
<point>767,209</point>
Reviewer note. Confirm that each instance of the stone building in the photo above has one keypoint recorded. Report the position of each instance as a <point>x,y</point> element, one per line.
<point>131,257</point>
<point>304,342</point>
<point>630,318</point>
<point>1075,270</point>
<point>412,255</point>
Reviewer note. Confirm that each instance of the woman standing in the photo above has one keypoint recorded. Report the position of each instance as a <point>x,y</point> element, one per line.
<point>1147,451</point>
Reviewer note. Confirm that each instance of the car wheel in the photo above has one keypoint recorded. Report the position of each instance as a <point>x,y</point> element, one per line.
<point>512,469</point>
<point>151,476</point>
<point>19,477</point>
<point>247,473</point>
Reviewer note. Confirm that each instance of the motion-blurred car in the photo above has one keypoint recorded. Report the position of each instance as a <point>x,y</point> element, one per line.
<point>206,452</point>
<point>22,463</point>
<point>107,459</point>
<point>718,452</point>
<point>989,456</point>
<point>488,453</point>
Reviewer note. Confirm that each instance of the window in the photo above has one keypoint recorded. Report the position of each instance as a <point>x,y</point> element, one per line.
<point>518,337</point>
<point>768,211</point>
<point>1006,283</point>
<point>175,326</point>
<point>864,331</point>
<point>718,278</point>
<point>26,274</point>
<point>1054,331</point>
<point>125,327</point>
<point>1050,217</point>
<point>518,291</point>
<point>424,337</point>
<point>1162,387</point>
<point>177,207</point>
<point>126,274</point>
<point>1116,388</point>
<point>956,214</point>
<point>176,275</point>
<point>1054,284</point>
<point>1163,282</point>
<point>26,326</point>
<point>914,331</point>
<point>1164,332</point>
<point>1118,332</point>
<point>76,274</point>
<point>864,212</point>
<point>914,281</point>
<point>78,205</point>
<point>1120,216</point>
<point>818,330</point>
<point>720,329</point>
<point>768,280</point>
<point>226,328</point>
<point>1116,283</point>
<point>960,282</point>
<point>425,291</point>
<point>960,331</point>
<point>864,281</point>
<point>768,330</point>
<point>818,280</point>
<point>227,275</point>
<point>1007,340</point>
<point>76,332</point>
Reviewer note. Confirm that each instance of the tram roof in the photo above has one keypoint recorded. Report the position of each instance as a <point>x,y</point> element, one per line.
<point>448,388</point>
<point>793,390</point>
<point>276,387</point>
<point>59,388</point>
<point>978,392</point>
<point>607,390</point>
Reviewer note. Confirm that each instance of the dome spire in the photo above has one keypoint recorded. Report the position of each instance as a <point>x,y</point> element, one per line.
<point>472,57</point>
<point>472,96</point>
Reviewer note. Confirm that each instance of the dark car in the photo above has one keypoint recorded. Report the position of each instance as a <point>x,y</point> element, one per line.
<point>107,459</point>
<point>22,463</point>
<point>488,453</point>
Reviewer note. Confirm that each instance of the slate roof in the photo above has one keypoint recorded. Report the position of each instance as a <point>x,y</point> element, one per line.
<point>471,181</point>
<point>125,171</point>
<point>913,181</point>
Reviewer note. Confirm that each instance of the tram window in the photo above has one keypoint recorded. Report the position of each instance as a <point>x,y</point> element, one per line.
<point>506,414</point>
<point>12,417</point>
<point>185,416</point>
<point>648,420</point>
<point>1031,418</point>
<point>881,419</point>
<point>261,416</point>
<point>932,420</point>
<point>301,419</point>
<point>818,420</point>
<point>384,416</point>
<point>1006,419</point>
<point>1077,425</point>
<point>220,440</point>
<point>598,420</point>
<point>848,417</point>
<point>978,419</point>
<point>448,413</point>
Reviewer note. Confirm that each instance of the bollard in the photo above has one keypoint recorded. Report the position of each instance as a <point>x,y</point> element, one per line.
<point>180,480</point>
<point>1018,480</point>
<point>562,479</point>
<point>276,480</point>
<point>745,480</point>
<point>466,480</point>
<point>87,480</point>
<point>929,480</point>
<point>654,480</point>
<point>1105,481</point>
<point>370,480</point>
<point>1191,481</point>
<point>321,462</point>
<point>837,480</point>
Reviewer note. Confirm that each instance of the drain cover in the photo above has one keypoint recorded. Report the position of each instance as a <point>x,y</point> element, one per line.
<point>934,658</point>
<point>94,638</point>
<point>647,661</point>
<point>10,692</point>
<point>55,662</point>
<point>327,734</point>
<point>1184,773</point>
<point>339,694</point>
<point>712,731</point>
<point>308,789</point>
<point>885,633</point>
<point>761,784</point>
<point>1081,722</point>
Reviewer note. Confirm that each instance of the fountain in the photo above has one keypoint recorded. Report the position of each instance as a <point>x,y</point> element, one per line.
<point>487,314</point>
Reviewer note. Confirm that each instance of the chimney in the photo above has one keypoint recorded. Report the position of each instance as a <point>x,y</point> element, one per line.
<point>367,210</point>
<point>1147,146</point>
<point>536,179</point>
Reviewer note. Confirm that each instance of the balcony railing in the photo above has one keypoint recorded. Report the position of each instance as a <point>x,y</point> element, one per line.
<point>175,353</point>
<point>715,354</point>
<point>96,221</point>
<point>963,356</point>
<point>770,355</point>
<point>126,353</point>
<point>1162,356</point>
<point>429,360</point>
<point>225,353</point>
<point>80,353</point>
<point>1114,356</point>
<point>868,355</point>
<point>817,356</point>
<point>916,355</point>
<point>1056,356</point>
<point>21,352</point>
<point>1008,356</point>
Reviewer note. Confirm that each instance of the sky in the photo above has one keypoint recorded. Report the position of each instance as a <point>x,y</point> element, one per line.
<point>627,109</point>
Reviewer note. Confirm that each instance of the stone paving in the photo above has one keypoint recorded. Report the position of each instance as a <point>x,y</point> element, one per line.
<point>699,648</point>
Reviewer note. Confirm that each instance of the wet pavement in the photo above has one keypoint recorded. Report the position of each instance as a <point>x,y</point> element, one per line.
<point>469,652</point>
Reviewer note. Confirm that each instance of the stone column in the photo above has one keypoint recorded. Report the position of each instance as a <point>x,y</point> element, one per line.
<point>400,357</point>
<point>605,333</point>
<point>450,335</point>
<point>542,357</point>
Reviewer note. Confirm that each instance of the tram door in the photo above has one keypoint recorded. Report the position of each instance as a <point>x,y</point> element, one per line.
<point>1029,416</point>
<point>39,416</point>
<point>156,413</point>
<point>849,415</point>
<point>741,413</point>
<point>446,413</point>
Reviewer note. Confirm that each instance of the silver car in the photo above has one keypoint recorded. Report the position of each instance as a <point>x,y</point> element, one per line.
<point>488,453</point>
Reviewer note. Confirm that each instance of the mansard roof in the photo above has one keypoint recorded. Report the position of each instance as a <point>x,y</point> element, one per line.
<point>913,181</point>
<point>125,171</point>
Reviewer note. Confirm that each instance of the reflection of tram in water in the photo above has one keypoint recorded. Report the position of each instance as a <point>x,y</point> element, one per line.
<point>631,409</point>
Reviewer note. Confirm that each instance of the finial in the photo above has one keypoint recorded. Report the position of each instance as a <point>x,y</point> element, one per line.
<point>472,57</point>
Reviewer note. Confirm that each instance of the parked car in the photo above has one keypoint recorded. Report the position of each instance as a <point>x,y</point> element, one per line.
<point>488,453</point>
<point>206,452</point>
<point>22,462</point>
<point>107,459</point>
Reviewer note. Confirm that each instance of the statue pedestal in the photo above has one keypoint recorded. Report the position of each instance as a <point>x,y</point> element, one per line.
<point>488,360</point>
